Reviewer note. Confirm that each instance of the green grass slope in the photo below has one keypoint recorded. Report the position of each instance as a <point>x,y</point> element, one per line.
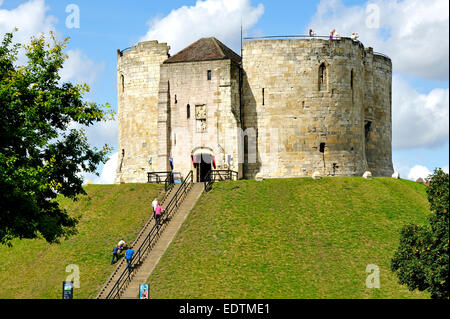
<point>291,238</point>
<point>35,269</point>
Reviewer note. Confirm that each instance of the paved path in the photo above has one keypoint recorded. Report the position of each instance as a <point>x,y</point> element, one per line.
<point>121,265</point>
<point>166,237</point>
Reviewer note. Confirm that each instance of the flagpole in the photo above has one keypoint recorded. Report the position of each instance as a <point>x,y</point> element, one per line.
<point>241,36</point>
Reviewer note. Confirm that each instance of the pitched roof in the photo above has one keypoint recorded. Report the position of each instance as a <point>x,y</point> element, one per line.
<point>205,49</point>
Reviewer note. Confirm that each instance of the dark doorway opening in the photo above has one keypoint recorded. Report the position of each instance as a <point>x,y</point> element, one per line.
<point>322,147</point>
<point>203,166</point>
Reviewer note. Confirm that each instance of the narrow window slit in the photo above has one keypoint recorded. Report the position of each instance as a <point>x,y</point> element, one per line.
<point>263,96</point>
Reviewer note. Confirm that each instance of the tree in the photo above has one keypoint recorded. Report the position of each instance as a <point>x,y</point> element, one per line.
<point>421,260</point>
<point>40,157</point>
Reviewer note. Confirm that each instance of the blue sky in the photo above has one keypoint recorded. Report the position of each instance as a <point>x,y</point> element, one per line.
<point>414,33</point>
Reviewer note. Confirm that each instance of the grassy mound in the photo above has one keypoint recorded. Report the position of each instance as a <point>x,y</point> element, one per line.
<point>291,238</point>
<point>35,269</point>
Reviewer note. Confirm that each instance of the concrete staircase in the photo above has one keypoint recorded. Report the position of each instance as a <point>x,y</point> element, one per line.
<point>165,235</point>
<point>121,265</point>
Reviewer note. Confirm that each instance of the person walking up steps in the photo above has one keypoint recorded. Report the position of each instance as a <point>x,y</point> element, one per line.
<point>154,204</point>
<point>129,257</point>
<point>158,212</point>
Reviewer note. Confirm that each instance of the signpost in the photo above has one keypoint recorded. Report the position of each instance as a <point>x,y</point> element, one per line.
<point>143,291</point>
<point>67,290</point>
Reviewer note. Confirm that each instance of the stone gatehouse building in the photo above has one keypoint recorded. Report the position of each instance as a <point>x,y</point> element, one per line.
<point>286,108</point>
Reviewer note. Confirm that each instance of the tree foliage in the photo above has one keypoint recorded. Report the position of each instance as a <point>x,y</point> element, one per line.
<point>421,260</point>
<point>41,156</point>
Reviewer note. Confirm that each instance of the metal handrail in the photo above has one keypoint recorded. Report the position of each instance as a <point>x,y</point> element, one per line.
<point>156,177</point>
<point>143,230</point>
<point>221,175</point>
<point>168,182</point>
<point>150,238</point>
<point>288,36</point>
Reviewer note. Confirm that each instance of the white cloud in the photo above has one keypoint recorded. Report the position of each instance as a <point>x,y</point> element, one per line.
<point>109,170</point>
<point>103,133</point>
<point>419,120</point>
<point>100,133</point>
<point>30,18</point>
<point>422,171</point>
<point>79,68</point>
<point>218,18</point>
<point>414,33</point>
<point>418,171</point>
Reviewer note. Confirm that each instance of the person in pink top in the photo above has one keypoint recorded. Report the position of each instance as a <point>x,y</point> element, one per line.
<point>158,211</point>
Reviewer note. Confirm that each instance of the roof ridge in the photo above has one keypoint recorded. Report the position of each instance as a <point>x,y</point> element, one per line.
<point>218,46</point>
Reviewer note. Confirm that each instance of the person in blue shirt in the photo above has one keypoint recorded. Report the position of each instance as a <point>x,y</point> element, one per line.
<point>129,257</point>
<point>115,254</point>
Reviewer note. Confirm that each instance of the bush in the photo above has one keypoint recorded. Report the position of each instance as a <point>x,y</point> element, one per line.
<point>421,260</point>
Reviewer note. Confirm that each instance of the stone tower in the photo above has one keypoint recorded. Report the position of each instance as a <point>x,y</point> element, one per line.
<point>317,105</point>
<point>138,77</point>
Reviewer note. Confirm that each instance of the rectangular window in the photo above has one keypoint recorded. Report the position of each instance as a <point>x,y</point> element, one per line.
<point>209,75</point>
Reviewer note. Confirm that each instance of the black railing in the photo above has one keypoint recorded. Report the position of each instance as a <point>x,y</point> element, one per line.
<point>157,177</point>
<point>219,175</point>
<point>168,183</point>
<point>163,177</point>
<point>302,36</point>
<point>138,238</point>
<point>151,238</point>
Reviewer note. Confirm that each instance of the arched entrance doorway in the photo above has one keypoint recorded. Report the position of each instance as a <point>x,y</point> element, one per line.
<point>202,163</point>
